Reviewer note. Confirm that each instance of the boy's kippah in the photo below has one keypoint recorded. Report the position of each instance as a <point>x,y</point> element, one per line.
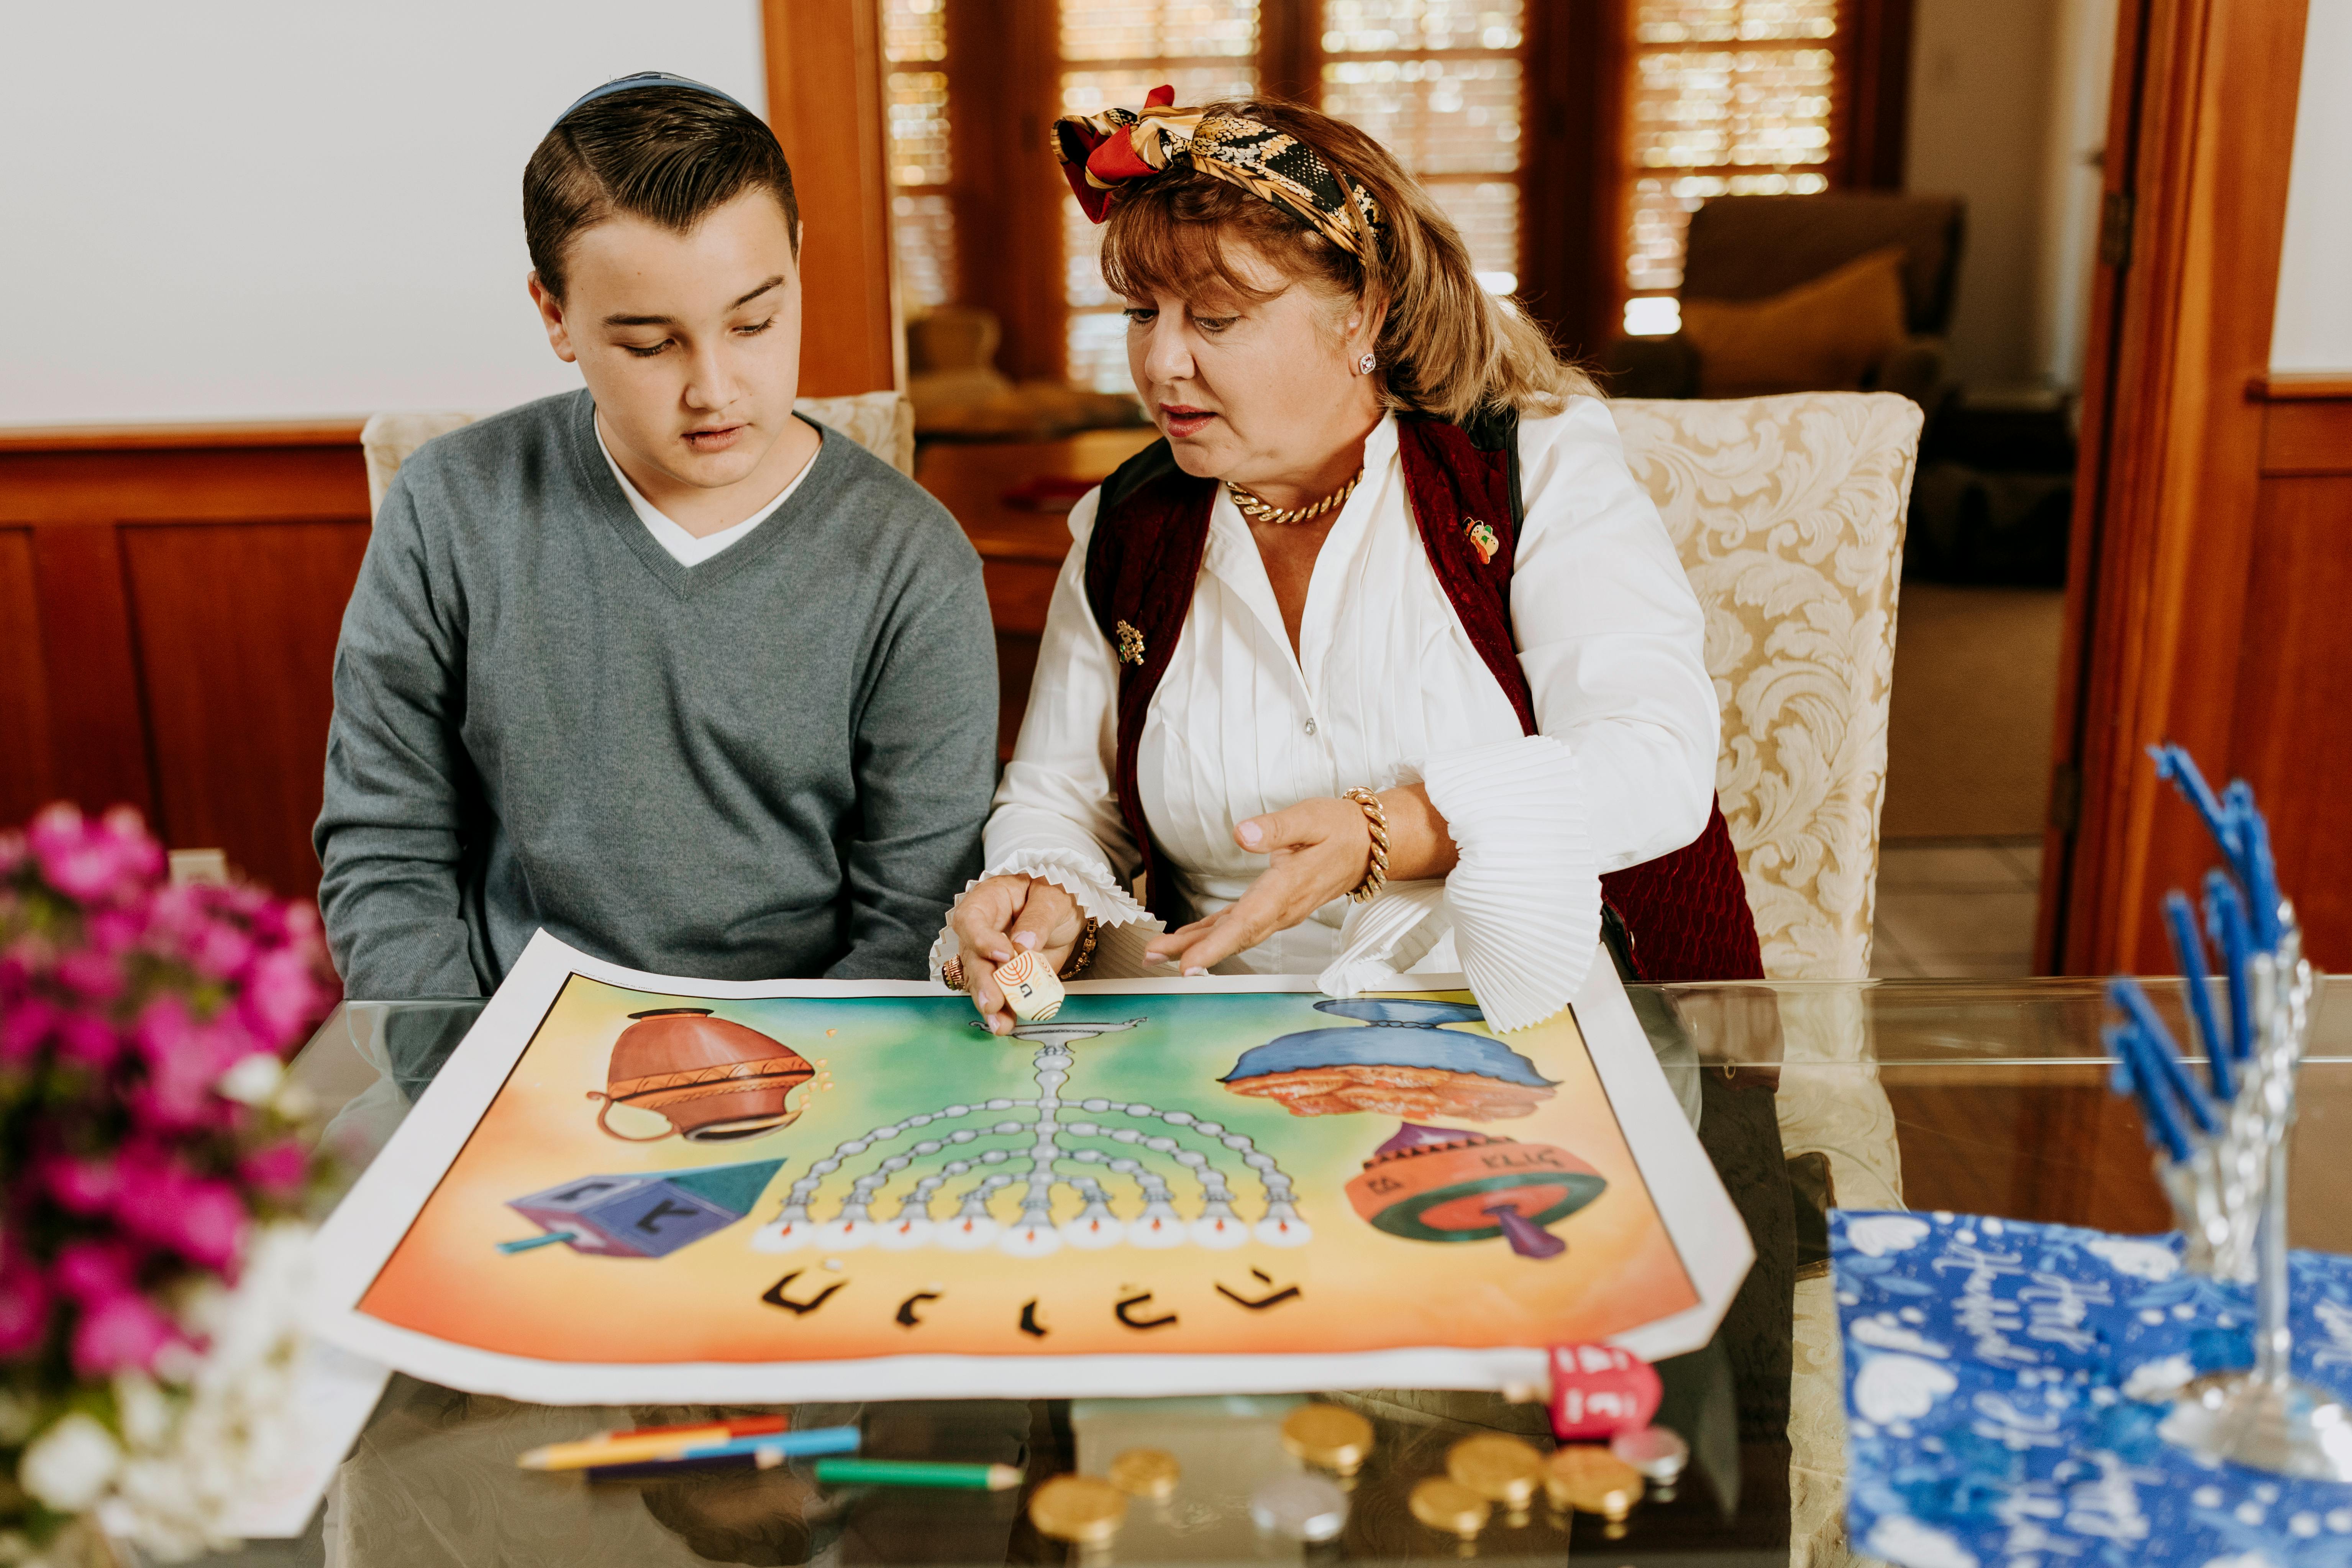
<point>632,82</point>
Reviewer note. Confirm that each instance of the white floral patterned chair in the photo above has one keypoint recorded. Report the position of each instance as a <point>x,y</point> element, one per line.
<point>881,422</point>
<point>1789,513</point>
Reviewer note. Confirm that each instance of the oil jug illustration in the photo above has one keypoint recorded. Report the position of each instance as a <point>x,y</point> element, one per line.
<point>712,1079</point>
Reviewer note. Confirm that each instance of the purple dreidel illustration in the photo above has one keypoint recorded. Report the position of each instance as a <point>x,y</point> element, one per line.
<point>650,1215</point>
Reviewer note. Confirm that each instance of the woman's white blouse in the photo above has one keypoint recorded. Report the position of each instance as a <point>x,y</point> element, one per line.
<point>1387,689</point>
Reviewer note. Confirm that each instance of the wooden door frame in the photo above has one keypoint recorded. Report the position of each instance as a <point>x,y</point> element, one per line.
<point>2200,137</point>
<point>824,102</point>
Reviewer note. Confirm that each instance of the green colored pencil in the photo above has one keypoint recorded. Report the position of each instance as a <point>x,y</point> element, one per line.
<point>917,1473</point>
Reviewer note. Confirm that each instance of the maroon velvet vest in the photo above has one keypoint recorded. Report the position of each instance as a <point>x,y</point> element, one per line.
<point>1685,914</point>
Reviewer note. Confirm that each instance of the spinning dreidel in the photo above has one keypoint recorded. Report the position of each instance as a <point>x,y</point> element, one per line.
<point>1441,1183</point>
<point>713,1080</point>
<point>647,1215</point>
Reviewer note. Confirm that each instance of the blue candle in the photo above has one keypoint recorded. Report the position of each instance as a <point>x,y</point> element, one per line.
<point>2162,1126</point>
<point>2225,918</point>
<point>2261,878</point>
<point>2188,951</point>
<point>2160,1054</point>
<point>2174,763</point>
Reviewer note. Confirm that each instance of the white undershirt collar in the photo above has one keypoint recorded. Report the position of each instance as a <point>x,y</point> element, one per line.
<point>684,547</point>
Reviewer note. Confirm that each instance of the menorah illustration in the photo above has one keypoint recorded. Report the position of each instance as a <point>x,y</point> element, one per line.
<point>1051,1158</point>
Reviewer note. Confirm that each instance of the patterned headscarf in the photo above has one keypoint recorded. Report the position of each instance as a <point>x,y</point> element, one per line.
<point>1101,153</point>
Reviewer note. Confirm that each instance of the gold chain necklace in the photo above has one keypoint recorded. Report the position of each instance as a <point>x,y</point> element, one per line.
<point>1257,510</point>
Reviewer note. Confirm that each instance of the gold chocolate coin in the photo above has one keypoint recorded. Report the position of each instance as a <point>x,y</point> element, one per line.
<point>1077,1509</point>
<point>1451,1507</point>
<point>1145,1472</point>
<point>1589,1478</point>
<point>1498,1469</point>
<point>1329,1437</point>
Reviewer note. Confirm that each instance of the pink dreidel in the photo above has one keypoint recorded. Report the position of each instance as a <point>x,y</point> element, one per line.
<point>1599,1390</point>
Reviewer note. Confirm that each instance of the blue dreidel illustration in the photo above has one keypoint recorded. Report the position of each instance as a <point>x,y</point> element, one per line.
<point>651,1214</point>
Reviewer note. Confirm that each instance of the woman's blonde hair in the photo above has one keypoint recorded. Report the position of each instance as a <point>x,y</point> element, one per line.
<point>1446,347</point>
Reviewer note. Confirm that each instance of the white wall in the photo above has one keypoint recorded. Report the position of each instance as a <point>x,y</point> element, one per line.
<point>2082,70</point>
<point>1981,89</point>
<point>260,209</point>
<point>2312,329</point>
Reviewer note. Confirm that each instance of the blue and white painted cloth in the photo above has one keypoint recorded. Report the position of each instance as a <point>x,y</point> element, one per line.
<point>2003,1385</point>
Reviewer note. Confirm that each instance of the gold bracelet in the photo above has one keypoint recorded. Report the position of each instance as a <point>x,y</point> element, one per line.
<point>1082,955</point>
<point>1376,818</point>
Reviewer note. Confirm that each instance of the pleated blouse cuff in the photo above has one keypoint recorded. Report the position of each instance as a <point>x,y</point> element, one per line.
<point>1089,882</point>
<point>1525,895</point>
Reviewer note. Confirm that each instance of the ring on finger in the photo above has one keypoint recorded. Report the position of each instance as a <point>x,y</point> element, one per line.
<point>951,974</point>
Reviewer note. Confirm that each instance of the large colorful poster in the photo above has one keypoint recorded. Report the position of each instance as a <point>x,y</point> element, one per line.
<point>628,1186</point>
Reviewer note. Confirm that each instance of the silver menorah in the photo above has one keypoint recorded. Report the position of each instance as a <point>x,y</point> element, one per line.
<point>2220,1151</point>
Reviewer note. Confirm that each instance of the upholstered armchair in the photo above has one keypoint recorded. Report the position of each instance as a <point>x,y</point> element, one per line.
<point>881,422</point>
<point>1749,248</point>
<point>1788,515</point>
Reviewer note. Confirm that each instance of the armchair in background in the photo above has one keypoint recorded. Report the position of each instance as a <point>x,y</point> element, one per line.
<point>1848,291</point>
<point>960,395</point>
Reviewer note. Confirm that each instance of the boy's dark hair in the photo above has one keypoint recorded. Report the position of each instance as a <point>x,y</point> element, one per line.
<point>667,154</point>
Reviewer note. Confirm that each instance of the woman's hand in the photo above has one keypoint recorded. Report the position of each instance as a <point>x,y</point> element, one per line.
<point>1003,915</point>
<point>1317,851</point>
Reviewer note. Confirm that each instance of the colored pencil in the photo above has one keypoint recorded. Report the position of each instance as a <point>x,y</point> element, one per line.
<point>663,1470</point>
<point>727,1427</point>
<point>917,1473</point>
<point>600,1455</point>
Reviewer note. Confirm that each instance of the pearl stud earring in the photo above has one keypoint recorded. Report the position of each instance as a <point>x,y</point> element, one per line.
<point>1364,365</point>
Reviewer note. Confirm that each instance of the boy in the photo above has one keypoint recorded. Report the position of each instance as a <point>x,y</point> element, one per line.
<point>695,684</point>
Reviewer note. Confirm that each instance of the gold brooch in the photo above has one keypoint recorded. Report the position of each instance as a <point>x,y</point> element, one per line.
<point>1481,539</point>
<point>1130,645</point>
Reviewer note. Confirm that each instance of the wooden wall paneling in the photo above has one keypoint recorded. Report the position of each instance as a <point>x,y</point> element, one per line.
<point>2205,99</point>
<point>98,732</point>
<point>2301,436</point>
<point>2291,739</point>
<point>189,633</point>
<point>824,101</point>
<point>1572,178</point>
<point>236,646</point>
<point>28,778</point>
<point>196,472</point>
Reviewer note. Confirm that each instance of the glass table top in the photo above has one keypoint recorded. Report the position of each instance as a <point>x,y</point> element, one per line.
<point>1972,1096</point>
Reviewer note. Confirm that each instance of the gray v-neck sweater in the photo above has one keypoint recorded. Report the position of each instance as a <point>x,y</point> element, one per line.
<point>774,764</point>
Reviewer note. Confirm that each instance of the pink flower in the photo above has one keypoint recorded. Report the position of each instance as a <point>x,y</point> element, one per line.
<point>282,995</point>
<point>80,1186</point>
<point>26,1027</point>
<point>165,1029</point>
<point>200,1219</point>
<point>93,1042</point>
<point>114,931</point>
<point>97,976</point>
<point>25,1301</point>
<point>76,861</point>
<point>88,1271</point>
<point>184,1060</point>
<point>123,1332</point>
<point>210,1224</point>
<point>221,950</point>
<point>278,1169</point>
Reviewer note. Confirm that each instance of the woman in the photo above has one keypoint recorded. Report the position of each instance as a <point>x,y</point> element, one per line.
<point>1320,581</point>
